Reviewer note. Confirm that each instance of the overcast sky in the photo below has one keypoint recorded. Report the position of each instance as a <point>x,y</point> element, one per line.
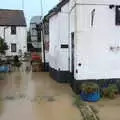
<point>31,7</point>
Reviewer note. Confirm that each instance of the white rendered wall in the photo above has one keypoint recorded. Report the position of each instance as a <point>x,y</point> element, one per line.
<point>93,43</point>
<point>54,41</point>
<point>46,37</point>
<point>59,35</point>
<point>20,39</point>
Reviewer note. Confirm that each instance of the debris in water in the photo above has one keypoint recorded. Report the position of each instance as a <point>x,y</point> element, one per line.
<point>88,112</point>
<point>46,98</point>
<point>51,99</point>
<point>22,96</point>
<point>10,98</point>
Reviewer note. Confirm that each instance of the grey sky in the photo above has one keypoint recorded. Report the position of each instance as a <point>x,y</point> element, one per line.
<point>31,7</point>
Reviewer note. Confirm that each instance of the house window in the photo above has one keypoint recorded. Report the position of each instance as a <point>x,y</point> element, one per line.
<point>13,30</point>
<point>13,47</point>
<point>92,17</point>
<point>117,15</point>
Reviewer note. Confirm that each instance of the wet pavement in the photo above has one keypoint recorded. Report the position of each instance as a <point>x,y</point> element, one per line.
<point>35,96</point>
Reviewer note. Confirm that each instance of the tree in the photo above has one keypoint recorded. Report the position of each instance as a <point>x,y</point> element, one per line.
<point>3,46</point>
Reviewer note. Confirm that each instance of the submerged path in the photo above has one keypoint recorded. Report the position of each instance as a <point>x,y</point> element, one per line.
<point>35,96</point>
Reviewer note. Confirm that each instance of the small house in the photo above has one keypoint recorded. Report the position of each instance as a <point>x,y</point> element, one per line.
<point>35,34</point>
<point>14,31</point>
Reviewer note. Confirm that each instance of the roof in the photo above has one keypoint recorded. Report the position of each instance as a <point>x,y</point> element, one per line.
<point>12,18</point>
<point>36,20</point>
<point>104,2</point>
<point>62,3</point>
<point>56,9</point>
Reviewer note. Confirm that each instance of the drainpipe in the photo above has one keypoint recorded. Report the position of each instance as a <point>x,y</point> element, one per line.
<point>70,10</point>
<point>43,40</point>
<point>5,33</point>
<point>69,42</point>
<point>75,42</point>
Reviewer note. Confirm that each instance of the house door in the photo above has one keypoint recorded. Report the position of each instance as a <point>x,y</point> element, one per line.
<point>72,52</point>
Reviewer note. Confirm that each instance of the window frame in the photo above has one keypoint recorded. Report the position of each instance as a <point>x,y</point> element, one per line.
<point>13,30</point>
<point>92,17</point>
<point>15,49</point>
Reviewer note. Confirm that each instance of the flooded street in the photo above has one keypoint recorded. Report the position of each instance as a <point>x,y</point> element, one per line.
<point>108,109</point>
<point>35,96</point>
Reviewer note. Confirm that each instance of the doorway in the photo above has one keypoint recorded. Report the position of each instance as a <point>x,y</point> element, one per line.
<point>72,52</point>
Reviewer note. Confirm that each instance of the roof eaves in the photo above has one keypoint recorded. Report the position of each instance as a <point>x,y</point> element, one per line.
<point>17,25</point>
<point>62,3</point>
<point>56,9</point>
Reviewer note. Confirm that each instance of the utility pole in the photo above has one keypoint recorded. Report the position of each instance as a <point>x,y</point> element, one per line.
<point>41,7</point>
<point>23,4</point>
<point>42,35</point>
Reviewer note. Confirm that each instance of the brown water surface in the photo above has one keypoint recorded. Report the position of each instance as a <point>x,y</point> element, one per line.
<point>35,96</point>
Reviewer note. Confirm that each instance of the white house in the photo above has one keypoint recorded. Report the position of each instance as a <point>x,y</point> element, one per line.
<point>13,30</point>
<point>35,39</point>
<point>85,40</point>
<point>94,29</point>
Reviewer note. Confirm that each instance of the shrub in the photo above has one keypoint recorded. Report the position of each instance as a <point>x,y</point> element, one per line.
<point>111,91</point>
<point>3,46</point>
<point>89,87</point>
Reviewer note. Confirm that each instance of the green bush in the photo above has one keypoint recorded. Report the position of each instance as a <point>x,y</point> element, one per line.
<point>77,101</point>
<point>111,91</point>
<point>89,87</point>
<point>3,46</point>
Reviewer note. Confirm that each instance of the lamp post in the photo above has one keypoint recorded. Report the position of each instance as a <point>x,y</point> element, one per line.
<point>23,4</point>
<point>41,7</point>
<point>42,34</point>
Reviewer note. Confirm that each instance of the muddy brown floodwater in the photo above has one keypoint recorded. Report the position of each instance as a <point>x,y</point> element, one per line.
<point>108,109</point>
<point>35,96</point>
